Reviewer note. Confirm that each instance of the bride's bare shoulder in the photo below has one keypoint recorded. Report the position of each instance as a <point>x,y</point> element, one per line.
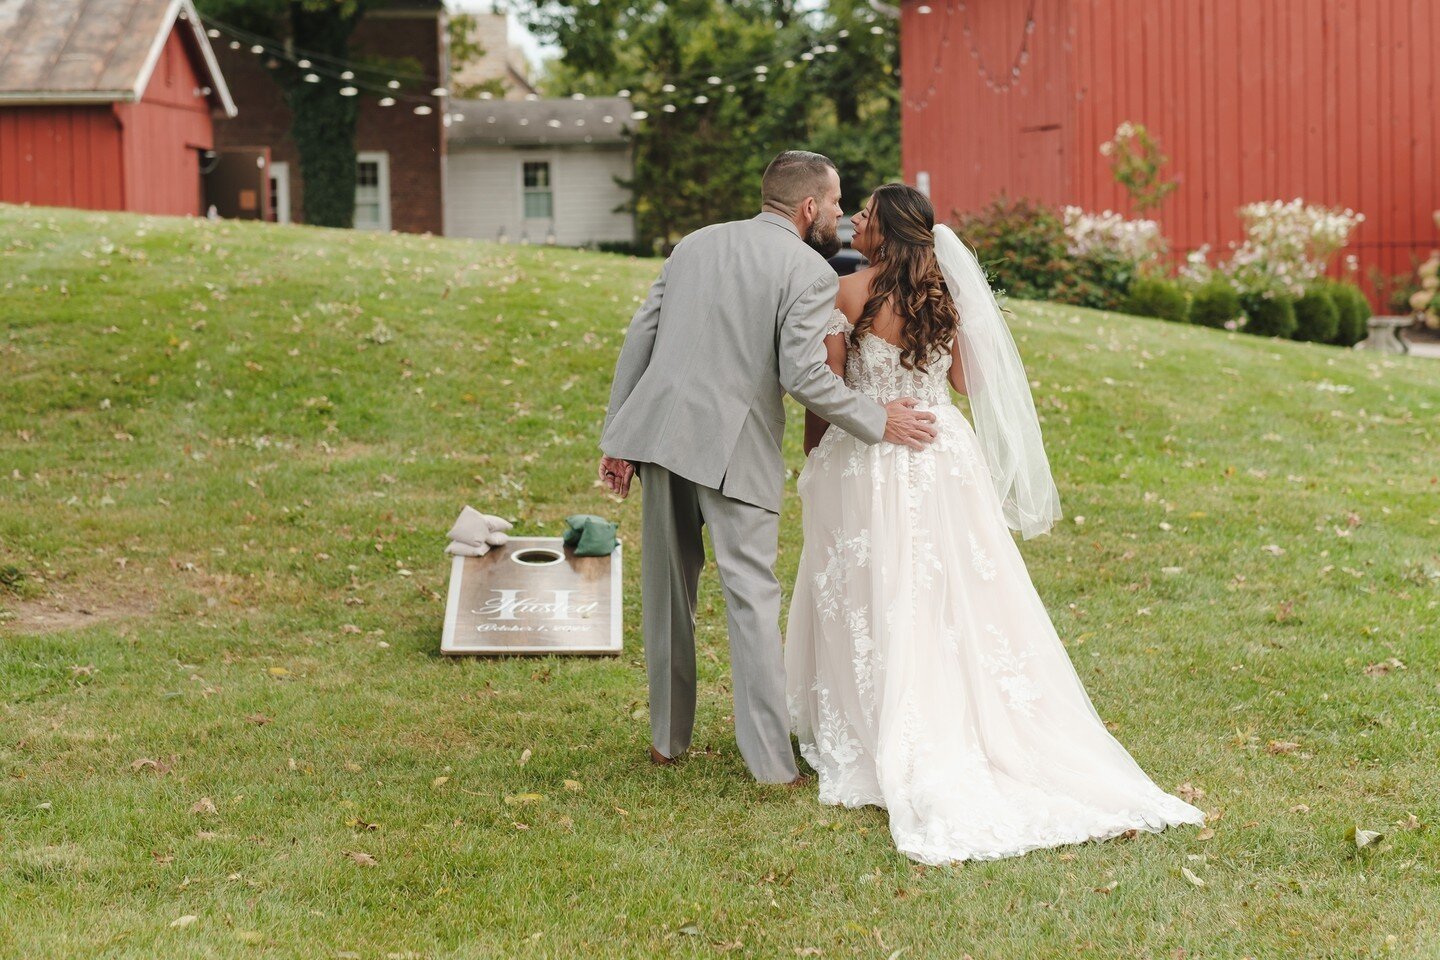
<point>854,291</point>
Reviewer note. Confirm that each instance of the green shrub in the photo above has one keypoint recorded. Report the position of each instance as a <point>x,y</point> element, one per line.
<point>1317,319</point>
<point>1021,245</point>
<point>1215,304</point>
<point>1154,297</point>
<point>1272,316</point>
<point>1354,313</point>
<point>1099,280</point>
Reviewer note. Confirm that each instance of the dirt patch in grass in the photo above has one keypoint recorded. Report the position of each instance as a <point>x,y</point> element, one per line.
<point>77,607</point>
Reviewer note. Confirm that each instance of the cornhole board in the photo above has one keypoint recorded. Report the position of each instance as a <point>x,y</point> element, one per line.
<point>533,596</point>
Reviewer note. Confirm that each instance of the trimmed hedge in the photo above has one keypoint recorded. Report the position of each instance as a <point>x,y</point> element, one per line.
<point>1355,314</point>
<point>1317,319</point>
<point>1272,316</point>
<point>1215,304</point>
<point>1153,297</point>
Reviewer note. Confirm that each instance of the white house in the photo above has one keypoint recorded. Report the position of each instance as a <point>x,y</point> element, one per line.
<point>538,171</point>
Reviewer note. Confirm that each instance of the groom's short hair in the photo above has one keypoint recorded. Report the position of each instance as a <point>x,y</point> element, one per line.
<point>793,176</point>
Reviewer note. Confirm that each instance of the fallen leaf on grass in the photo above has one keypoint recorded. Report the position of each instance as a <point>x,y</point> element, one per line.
<point>184,921</point>
<point>1189,793</point>
<point>1383,667</point>
<point>204,806</point>
<point>524,757</point>
<point>145,763</point>
<point>572,785</point>
<point>355,823</point>
<point>1206,834</point>
<point>1411,822</point>
<point>278,672</point>
<point>1189,875</point>
<point>1300,808</point>
<point>1281,746</point>
<point>1274,549</point>
<point>439,781</point>
<point>1363,839</point>
<point>519,798</point>
<point>1108,888</point>
<point>259,719</point>
<point>360,859</point>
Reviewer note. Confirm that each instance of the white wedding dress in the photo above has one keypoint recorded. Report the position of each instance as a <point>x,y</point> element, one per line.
<point>924,675</point>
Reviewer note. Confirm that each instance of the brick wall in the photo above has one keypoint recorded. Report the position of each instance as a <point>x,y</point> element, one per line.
<point>416,144</point>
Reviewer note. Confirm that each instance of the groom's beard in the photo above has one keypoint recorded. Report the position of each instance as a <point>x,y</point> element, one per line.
<point>824,238</point>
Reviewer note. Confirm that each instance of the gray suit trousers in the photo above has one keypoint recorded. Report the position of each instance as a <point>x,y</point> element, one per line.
<point>745,538</point>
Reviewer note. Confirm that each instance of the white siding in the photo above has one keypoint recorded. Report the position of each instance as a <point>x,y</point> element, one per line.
<point>484,194</point>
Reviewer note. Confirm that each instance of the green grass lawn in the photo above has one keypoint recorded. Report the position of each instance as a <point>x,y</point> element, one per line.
<point>228,457</point>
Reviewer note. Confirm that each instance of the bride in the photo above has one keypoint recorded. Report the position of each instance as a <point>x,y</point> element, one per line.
<point>924,675</point>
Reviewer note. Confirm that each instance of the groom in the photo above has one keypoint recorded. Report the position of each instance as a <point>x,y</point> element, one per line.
<point>735,321</point>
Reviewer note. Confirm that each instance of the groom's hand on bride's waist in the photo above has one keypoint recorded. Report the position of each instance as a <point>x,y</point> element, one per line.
<point>906,425</point>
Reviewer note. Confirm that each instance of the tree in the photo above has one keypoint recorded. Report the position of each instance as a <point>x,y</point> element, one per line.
<point>323,125</point>
<point>701,160</point>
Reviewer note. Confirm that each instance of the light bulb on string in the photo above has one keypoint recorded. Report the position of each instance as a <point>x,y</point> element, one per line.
<point>729,88</point>
<point>713,81</point>
<point>831,48</point>
<point>577,96</point>
<point>459,117</point>
<point>393,84</point>
<point>638,115</point>
<point>439,92</point>
<point>668,88</point>
<point>312,78</point>
<point>234,44</point>
<point>789,64</point>
<point>213,34</point>
<point>668,108</point>
<point>843,34</point>
<point>348,91</point>
<point>387,101</point>
<point>923,9</point>
<point>552,123</point>
<point>807,56</point>
<point>623,94</point>
<point>762,69</point>
<point>702,99</point>
<point>486,95</point>
<point>423,110</point>
<point>303,64</point>
<point>347,75</point>
<point>257,49</point>
<point>877,30</point>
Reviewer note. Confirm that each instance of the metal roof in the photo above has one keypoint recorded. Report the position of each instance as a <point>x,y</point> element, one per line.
<point>539,122</point>
<point>94,51</point>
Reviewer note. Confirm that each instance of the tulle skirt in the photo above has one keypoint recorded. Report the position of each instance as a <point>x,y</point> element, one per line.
<point>924,675</point>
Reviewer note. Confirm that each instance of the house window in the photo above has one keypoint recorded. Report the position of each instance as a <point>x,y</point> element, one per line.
<point>372,191</point>
<point>279,192</point>
<point>539,198</point>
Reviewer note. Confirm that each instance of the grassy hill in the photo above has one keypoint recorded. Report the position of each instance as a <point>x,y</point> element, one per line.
<point>228,457</point>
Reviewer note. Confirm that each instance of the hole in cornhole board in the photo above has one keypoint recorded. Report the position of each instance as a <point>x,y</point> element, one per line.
<point>534,596</point>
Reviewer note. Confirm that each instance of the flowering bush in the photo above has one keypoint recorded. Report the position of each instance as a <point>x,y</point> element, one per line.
<point>1135,161</point>
<point>1426,300</point>
<point>1086,234</point>
<point>1286,248</point>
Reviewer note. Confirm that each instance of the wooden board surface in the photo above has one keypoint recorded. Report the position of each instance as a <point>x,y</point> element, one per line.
<point>499,605</point>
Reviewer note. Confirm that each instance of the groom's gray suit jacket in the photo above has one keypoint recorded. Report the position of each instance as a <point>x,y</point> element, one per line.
<point>734,322</point>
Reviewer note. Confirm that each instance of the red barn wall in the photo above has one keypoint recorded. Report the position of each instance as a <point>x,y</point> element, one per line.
<point>61,157</point>
<point>1330,100</point>
<point>164,134</point>
<point>123,156</point>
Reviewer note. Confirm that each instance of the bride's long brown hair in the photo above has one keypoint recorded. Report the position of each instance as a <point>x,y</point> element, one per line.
<point>907,277</point>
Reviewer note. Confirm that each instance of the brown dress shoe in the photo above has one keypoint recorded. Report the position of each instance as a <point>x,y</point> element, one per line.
<point>659,759</point>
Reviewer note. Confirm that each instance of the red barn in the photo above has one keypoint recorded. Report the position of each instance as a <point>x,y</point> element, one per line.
<point>106,104</point>
<point>1330,100</point>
